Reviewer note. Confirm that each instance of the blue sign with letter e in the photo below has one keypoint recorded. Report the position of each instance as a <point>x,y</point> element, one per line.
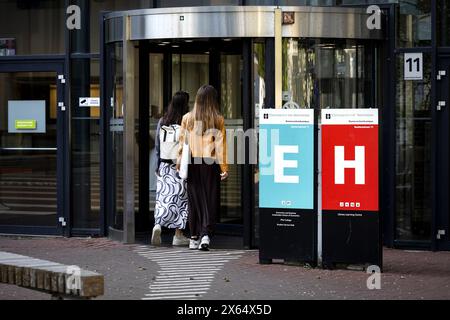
<point>286,159</point>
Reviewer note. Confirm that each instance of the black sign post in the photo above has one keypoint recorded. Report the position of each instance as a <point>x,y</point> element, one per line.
<point>350,187</point>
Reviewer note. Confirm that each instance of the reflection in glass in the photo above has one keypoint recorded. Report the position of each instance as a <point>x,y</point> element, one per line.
<point>326,74</point>
<point>28,184</point>
<point>413,155</point>
<point>156,74</point>
<point>231,107</point>
<point>414,23</point>
<point>189,73</point>
<point>230,91</point>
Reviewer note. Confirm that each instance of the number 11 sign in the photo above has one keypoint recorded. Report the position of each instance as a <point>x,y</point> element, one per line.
<point>413,66</point>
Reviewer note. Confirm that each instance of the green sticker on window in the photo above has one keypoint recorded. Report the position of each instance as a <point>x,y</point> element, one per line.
<point>26,124</point>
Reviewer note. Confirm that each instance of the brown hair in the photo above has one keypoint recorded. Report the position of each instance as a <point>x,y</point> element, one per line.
<point>206,109</point>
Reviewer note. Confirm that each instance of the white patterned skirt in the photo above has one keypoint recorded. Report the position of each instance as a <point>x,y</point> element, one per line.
<point>171,208</point>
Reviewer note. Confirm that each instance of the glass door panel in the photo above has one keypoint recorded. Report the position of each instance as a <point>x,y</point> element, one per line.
<point>156,90</point>
<point>231,108</point>
<point>413,155</point>
<point>189,73</point>
<point>28,149</point>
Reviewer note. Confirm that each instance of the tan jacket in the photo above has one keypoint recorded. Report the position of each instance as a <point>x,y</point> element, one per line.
<point>212,144</point>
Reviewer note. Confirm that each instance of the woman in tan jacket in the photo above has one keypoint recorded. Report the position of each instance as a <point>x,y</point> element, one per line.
<point>204,129</point>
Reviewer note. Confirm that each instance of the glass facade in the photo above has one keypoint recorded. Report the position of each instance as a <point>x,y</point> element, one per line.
<point>316,74</point>
<point>33,27</point>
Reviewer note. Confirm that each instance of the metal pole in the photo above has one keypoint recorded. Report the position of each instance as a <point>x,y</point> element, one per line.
<point>129,136</point>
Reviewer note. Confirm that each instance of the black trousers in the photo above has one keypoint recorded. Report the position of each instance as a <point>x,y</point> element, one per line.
<point>203,188</point>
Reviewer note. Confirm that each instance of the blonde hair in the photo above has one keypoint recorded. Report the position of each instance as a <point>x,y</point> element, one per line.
<point>206,110</point>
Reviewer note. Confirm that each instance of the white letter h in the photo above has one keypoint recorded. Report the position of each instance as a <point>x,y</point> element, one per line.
<point>340,164</point>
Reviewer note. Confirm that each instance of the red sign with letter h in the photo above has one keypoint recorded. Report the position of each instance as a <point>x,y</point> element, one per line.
<point>350,167</point>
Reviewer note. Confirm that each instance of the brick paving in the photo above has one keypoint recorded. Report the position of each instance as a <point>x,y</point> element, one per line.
<point>407,274</point>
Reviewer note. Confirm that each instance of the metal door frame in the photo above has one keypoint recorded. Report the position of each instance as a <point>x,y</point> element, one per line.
<point>57,65</point>
<point>441,118</point>
<point>242,48</point>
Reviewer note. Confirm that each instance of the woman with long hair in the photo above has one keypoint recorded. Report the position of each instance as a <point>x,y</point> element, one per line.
<point>204,130</point>
<point>171,207</point>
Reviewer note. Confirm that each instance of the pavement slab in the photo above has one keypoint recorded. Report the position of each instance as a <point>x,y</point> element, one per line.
<point>142,272</point>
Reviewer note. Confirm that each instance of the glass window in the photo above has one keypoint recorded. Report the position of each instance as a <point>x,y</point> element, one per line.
<point>326,74</point>
<point>413,155</point>
<point>32,27</point>
<point>414,23</point>
<point>85,145</point>
<point>230,91</point>
<point>114,88</point>
<point>28,155</point>
<point>231,107</point>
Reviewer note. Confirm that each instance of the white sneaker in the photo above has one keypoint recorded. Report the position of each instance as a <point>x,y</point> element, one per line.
<point>180,241</point>
<point>156,235</point>
<point>204,244</point>
<point>193,244</point>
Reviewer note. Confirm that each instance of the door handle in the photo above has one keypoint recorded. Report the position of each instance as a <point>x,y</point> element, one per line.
<point>440,105</point>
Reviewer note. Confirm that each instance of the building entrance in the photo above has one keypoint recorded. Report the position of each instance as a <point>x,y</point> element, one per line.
<point>187,65</point>
<point>237,50</point>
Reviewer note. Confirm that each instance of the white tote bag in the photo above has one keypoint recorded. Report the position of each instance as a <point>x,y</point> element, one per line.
<point>185,159</point>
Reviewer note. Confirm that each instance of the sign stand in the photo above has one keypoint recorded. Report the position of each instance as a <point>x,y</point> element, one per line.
<point>350,187</point>
<point>287,201</point>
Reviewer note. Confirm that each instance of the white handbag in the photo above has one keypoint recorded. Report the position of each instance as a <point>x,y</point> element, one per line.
<point>185,159</point>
